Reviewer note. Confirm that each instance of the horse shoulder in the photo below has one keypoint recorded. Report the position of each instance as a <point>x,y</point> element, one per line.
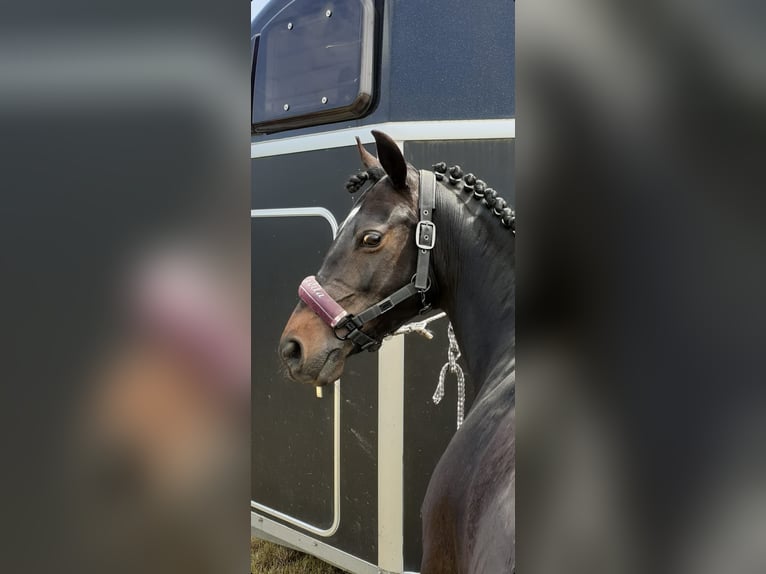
<point>469,505</point>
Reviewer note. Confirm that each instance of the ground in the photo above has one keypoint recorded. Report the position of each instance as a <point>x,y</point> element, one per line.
<point>267,558</point>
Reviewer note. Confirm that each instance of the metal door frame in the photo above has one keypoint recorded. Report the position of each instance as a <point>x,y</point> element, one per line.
<point>257,506</point>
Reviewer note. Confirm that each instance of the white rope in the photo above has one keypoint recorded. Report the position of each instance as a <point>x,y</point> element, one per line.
<point>419,327</point>
<point>453,354</point>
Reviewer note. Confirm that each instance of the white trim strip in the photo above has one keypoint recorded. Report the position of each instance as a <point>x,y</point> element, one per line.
<point>299,212</point>
<point>400,131</point>
<point>391,455</point>
<point>264,528</point>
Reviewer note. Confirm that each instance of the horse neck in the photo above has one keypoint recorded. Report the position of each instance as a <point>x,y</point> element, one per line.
<point>474,267</point>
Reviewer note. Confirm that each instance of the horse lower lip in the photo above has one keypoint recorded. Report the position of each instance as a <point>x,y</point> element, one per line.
<point>297,376</point>
<point>321,377</point>
<point>328,367</point>
<point>290,374</point>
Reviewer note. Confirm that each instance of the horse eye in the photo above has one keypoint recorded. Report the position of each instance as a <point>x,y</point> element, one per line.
<point>371,239</point>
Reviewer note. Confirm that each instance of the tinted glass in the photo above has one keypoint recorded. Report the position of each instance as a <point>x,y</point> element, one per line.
<point>314,64</point>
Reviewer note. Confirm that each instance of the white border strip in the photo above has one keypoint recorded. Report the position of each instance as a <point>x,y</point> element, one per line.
<point>391,455</point>
<point>400,131</point>
<point>333,528</point>
<point>299,212</point>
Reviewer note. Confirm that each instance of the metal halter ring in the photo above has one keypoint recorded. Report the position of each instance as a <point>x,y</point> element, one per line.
<point>344,325</point>
<point>339,337</point>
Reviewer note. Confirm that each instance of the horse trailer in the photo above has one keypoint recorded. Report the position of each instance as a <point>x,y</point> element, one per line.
<point>343,477</point>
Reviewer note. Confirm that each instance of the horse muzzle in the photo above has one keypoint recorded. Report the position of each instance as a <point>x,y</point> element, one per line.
<point>310,351</point>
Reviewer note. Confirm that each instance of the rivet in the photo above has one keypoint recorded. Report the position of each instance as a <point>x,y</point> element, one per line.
<point>328,13</point>
<point>324,99</point>
<point>286,107</point>
<point>289,25</point>
<point>425,237</point>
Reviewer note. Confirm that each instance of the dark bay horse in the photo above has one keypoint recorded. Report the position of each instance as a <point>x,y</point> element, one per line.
<point>416,240</point>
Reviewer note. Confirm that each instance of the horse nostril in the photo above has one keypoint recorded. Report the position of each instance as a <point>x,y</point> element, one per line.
<point>291,352</point>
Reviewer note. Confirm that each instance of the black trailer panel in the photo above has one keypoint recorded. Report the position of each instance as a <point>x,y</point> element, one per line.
<point>292,447</point>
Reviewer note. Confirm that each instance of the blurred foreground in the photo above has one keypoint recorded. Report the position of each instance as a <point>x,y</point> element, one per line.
<point>641,397</point>
<point>124,244</point>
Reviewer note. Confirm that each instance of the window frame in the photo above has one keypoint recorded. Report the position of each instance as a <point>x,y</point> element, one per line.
<point>361,106</point>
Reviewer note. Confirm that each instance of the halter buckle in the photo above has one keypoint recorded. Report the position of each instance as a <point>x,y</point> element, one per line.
<point>349,323</point>
<point>354,333</point>
<point>425,235</point>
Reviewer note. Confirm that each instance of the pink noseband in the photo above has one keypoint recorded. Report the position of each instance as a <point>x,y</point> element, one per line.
<point>314,295</point>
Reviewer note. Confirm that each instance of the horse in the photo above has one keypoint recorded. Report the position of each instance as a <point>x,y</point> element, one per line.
<point>417,240</point>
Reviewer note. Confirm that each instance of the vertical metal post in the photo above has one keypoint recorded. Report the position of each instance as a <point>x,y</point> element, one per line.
<point>391,455</point>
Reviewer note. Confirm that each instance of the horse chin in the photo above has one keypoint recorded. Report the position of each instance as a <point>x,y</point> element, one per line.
<point>332,368</point>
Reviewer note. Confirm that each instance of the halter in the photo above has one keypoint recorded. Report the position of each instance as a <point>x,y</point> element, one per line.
<point>334,315</point>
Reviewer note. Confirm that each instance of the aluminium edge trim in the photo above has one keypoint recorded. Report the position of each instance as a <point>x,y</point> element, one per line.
<point>504,128</point>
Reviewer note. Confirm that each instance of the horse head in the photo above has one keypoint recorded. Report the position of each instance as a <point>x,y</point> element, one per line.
<point>373,255</point>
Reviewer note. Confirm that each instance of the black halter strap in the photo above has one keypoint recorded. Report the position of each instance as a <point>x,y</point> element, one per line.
<point>425,233</point>
<point>425,239</point>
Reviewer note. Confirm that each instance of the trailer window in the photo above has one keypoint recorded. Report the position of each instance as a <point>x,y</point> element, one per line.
<point>313,65</point>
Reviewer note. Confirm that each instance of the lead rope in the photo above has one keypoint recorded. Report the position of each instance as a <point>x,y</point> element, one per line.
<point>453,354</point>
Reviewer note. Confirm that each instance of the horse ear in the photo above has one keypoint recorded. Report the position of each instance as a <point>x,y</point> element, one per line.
<point>391,159</point>
<point>368,160</point>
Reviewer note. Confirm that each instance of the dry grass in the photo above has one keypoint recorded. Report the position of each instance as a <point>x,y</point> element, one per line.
<point>267,558</point>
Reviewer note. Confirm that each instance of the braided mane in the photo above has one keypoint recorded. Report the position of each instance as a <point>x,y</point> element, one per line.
<point>455,178</point>
<point>470,184</point>
<point>360,178</point>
